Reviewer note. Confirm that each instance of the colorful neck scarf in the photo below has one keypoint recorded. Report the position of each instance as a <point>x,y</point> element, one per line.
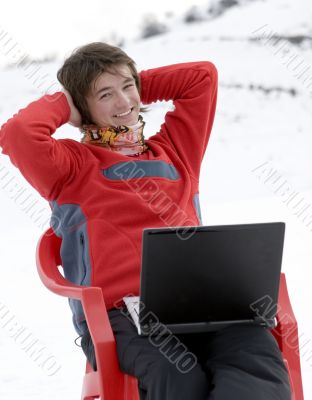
<point>127,140</point>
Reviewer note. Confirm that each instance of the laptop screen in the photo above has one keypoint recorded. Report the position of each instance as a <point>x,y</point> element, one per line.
<point>217,273</point>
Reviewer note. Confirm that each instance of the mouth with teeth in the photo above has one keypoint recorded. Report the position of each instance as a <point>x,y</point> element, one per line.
<point>124,114</point>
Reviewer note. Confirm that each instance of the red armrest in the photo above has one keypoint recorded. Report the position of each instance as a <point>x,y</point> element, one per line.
<point>286,320</point>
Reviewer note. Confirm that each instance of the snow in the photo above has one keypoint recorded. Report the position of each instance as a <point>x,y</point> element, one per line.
<point>256,169</point>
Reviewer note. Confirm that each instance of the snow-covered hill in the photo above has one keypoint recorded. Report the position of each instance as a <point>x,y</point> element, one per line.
<point>257,168</point>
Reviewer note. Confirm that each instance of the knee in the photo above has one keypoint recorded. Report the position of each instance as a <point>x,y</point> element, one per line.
<point>180,371</point>
<point>167,367</point>
<point>166,377</point>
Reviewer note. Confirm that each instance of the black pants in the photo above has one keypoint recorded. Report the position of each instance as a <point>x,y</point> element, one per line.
<point>235,363</point>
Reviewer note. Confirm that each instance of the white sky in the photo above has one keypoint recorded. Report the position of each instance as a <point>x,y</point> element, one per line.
<point>57,26</point>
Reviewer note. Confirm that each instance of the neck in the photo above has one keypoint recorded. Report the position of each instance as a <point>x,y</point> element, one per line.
<point>127,140</point>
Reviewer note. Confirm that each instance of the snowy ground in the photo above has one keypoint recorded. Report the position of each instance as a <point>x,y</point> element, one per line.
<point>256,169</point>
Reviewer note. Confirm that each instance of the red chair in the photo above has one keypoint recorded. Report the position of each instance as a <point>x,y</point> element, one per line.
<point>286,334</point>
<point>108,382</point>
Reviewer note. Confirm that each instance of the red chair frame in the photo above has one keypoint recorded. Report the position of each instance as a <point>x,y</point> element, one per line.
<point>108,382</point>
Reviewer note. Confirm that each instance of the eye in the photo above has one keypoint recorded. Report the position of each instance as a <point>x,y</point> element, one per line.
<point>128,86</point>
<point>105,95</point>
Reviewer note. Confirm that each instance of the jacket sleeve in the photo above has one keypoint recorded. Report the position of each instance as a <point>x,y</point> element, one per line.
<point>26,138</point>
<point>193,89</point>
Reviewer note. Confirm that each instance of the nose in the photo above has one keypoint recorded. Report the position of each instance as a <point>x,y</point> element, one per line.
<point>122,101</point>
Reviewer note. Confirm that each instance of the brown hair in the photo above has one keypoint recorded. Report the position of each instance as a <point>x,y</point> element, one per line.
<point>86,64</point>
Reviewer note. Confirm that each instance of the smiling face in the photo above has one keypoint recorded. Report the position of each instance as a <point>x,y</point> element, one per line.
<point>114,98</point>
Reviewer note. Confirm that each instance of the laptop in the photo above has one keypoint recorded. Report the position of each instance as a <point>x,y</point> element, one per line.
<point>204,278</point>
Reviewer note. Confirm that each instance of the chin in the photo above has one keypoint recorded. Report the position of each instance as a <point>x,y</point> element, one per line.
<point>131,121</point>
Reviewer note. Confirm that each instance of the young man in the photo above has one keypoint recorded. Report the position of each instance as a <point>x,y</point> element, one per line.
<point>105,190</point>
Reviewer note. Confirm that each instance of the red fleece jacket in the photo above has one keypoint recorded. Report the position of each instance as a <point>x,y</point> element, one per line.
<point>103,200</point>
